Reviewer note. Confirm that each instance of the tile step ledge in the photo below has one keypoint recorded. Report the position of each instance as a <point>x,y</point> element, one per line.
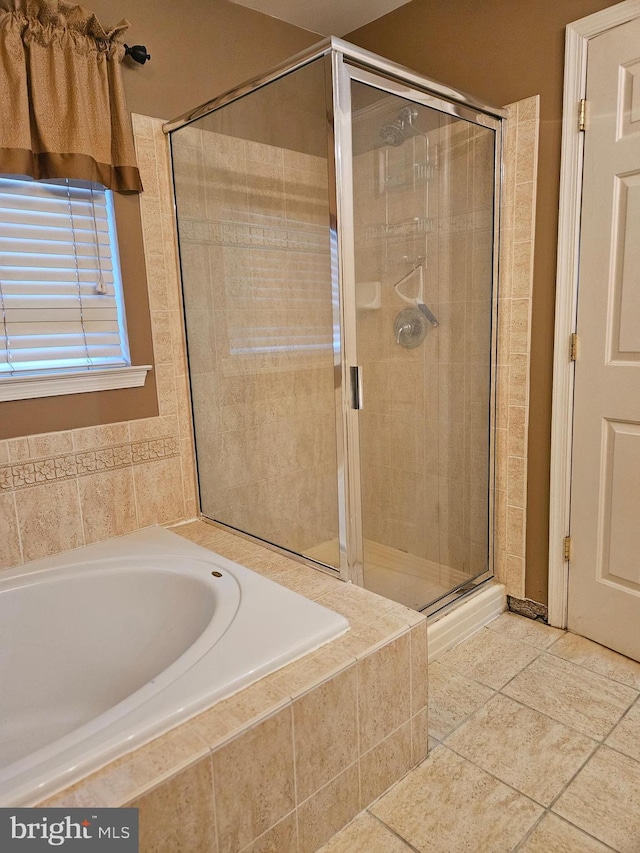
<point>477,611</point>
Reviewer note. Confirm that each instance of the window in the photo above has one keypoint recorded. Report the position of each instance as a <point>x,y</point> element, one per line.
<point>62,322</point>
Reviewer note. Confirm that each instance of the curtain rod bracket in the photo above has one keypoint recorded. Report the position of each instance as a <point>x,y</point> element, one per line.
<point>138,52</point>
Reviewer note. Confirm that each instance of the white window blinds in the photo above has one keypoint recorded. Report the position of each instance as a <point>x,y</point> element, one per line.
<point>60,289</point>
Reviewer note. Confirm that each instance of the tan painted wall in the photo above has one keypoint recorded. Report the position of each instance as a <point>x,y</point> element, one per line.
<point>500,50</point>
<point>67,488</point>
<point>504,51</point>
<point>199,49</point>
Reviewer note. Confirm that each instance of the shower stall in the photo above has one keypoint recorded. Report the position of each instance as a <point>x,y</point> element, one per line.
<point>337,223</point>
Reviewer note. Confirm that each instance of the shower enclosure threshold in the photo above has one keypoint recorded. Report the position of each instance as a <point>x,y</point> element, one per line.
<point>402,577</point>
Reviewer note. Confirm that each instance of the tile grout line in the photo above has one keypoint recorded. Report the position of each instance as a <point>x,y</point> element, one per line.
<point>521,793</point>
<point>295,773</point>
<point>482,684</point>
<point>262,835</point>
<point>546,809</point>
<point>542,652</point>
<point>596,740</point>
<point>488,687</point>
<point>579,667</point>
<point>493,776</point>
<point>619,720</point>
<point>564,790</point>
<point>588,673</point>
<point>80,511</point>
<point>593,672</point>
<point>582,767</point>
<point>213,797</point>
<point>589,834</point>
<point>469,716</point>
<point>599,743</point>
<point>393,832</point>
<point>635,702</point>
<point>620,752</point>
<point>564,787</point>
<point>17,517</point>
<point>547,813</point>
<point>530,832</point>
<point>486,772</point>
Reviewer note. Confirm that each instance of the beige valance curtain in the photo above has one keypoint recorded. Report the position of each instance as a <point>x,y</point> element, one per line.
<point>62,105</point>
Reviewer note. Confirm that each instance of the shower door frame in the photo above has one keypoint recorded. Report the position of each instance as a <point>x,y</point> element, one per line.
<point>344,64</point>
<point>345,72</point>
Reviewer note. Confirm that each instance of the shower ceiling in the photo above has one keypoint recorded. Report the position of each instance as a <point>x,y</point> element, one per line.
<point>327,17</point>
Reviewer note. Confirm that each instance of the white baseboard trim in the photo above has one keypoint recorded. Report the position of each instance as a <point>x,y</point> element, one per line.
<point>473,614</point>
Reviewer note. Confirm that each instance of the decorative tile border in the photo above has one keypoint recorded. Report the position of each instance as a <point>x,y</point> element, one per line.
<point>280,234</point>
<point>473,220</point>
<point>68,466</point>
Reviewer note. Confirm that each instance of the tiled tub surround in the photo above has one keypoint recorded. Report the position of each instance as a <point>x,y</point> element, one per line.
<point>172,628</point>
<point>94,489</point>
<point>65,489</point>
<point>287,762</point>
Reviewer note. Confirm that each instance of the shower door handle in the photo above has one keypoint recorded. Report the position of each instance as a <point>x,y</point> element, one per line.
<point>356,387</point>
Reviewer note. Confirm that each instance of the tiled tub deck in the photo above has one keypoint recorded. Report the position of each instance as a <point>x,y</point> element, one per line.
<point>285,763</point>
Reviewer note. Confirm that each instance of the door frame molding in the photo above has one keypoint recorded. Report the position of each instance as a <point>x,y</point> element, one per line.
<point>578,35</point>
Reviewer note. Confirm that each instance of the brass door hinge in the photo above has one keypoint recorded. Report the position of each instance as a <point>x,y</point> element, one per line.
<point>567,547</point>
<point>573,346</point>
<point>582,115</point>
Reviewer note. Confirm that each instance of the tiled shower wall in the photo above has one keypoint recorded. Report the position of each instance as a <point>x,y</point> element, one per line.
<point>427,409</point>
<point>65,489</point>
<point>425,425</point>
<point>514,340</point>
<point>254,235</point>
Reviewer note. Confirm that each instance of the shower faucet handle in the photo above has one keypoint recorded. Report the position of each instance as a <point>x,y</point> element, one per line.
<point>428,314</point>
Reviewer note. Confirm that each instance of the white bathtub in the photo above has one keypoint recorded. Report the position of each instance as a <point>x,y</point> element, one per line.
<point>105,647</point>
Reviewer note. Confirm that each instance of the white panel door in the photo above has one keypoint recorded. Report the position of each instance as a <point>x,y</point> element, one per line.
<point>604,575</point>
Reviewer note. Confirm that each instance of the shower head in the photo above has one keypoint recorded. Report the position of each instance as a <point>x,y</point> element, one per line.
<point>395,132</point>
<point>392,134</point>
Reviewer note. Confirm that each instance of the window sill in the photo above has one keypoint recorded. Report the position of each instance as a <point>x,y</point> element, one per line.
<point>71,382</point>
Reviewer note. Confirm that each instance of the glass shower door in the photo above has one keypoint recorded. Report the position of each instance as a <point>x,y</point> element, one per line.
<point>424,184</point>
<point>251,185</point>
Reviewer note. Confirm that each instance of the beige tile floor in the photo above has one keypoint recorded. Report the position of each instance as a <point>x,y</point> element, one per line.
<point>535,748</point>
